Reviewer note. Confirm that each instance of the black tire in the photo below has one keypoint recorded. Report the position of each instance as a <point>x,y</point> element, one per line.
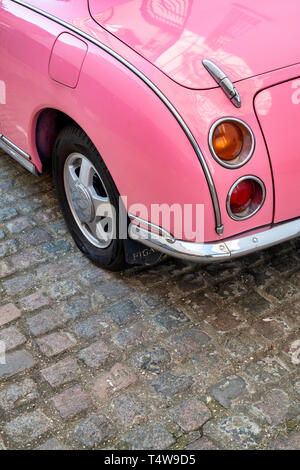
<point>72,139</point>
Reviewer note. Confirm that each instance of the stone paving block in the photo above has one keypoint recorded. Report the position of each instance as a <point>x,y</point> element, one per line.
<point>8,313</point>
<point>92,327</point>
<point>190,414</point>
<point>234,432</point>
<point>18,394</point>
<point>78,307</point>
<point>131,335</point>
<point>227,390</point>
<point>37,237</point>
<point>151,437</point>
<point>290,442</point>
<point>8,247</point>
<point>202,444</point>
<point>170,385</point>
<point>45,215</point>
<point>209,364</point>
<point>96,354</point>
<point>27,259</point>
<point>297,387</point>
<point>118,378</point>
<point>225,321</point>
<point>281,290</point>
<point>270,328</point>
<point>52,444</point>
<point>12,338</point>
<point>268,370</point>
<point>123,311</point>
<point>232,288</point>
<point>202,304</point>
<point>19,284</point>
<point>253,303</point>
<point>171,319</point>
<point>57,247</point>
<point>19,224</point>
<point>34,301</point>
<point>276,407</point>
<point>243,346</point>
<point>64,371</point>
<point>152,360</point>
<point>189,282</point>
<point>28,427</point>
<point>188,342</point>
<point>292,348</point>
<point>28,206</point>
<point>93,275</point>
<point>52,271</point>
<point>130,409</point>
<point>59,228</point>
<point>6,269</point>
<point>46,321</point>
<point>16,362</point>
<point>56,343</point>
<point>72,402</point>
<point>94,430</point>
<point>63,290</point>
<point>7,213</point>
<point>111,290</point>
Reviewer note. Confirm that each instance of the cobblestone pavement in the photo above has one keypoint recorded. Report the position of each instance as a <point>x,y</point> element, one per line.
<point>179,356</point>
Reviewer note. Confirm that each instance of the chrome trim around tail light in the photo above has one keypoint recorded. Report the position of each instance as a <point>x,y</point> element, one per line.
<point>243,178</point>
<point>218,251</point>
<point>17,154</point>
<point>231,166</point>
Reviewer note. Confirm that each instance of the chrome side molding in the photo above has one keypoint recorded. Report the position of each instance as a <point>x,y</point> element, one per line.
<point>142,223</point>
<point>218,251</point>
<point>17,154</point>
<point>223,81</point>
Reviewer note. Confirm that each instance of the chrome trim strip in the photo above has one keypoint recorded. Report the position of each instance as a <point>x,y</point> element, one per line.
<point>17,154</point>
<point>152,227</point>
<point>16,148</point>
<point>223,81</point>
<point>163,98</point>
<point>210,144</point>
<point>218,251</point>
<point>251,177</point>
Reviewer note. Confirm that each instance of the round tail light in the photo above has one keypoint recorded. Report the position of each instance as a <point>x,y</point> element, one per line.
<point>245,198</point>
<point>231,142</point>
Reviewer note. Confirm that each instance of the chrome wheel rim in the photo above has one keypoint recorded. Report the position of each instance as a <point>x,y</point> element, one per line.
<point>88,200</point>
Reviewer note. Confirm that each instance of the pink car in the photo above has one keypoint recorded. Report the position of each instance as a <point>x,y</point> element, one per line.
<point>175,122</point>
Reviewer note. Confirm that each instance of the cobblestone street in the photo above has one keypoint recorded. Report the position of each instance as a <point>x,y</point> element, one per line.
<point>177,356</point>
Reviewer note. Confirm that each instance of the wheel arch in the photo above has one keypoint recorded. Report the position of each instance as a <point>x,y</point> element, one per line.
<point>47,124</point>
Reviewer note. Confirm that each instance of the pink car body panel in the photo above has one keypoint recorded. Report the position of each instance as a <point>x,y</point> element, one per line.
<point>66,59</point>
<point>281,138</point>
<point>175,36</point>
<point>147,153</point>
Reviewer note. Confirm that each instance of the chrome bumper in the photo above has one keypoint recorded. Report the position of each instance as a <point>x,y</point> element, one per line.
<point>216,251</point>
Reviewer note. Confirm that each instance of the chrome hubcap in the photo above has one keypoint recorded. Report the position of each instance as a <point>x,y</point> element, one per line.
<point>89,201</point>
<point>82,203</point>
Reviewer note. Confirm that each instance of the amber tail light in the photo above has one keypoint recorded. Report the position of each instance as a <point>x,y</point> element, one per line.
<point>231,142</point>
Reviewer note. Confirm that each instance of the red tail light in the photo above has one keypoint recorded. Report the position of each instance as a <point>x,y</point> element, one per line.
<point>241,196</point>
<point>245,198</point>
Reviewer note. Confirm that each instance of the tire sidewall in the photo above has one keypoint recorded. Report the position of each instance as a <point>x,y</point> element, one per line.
<point>72,140</point>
